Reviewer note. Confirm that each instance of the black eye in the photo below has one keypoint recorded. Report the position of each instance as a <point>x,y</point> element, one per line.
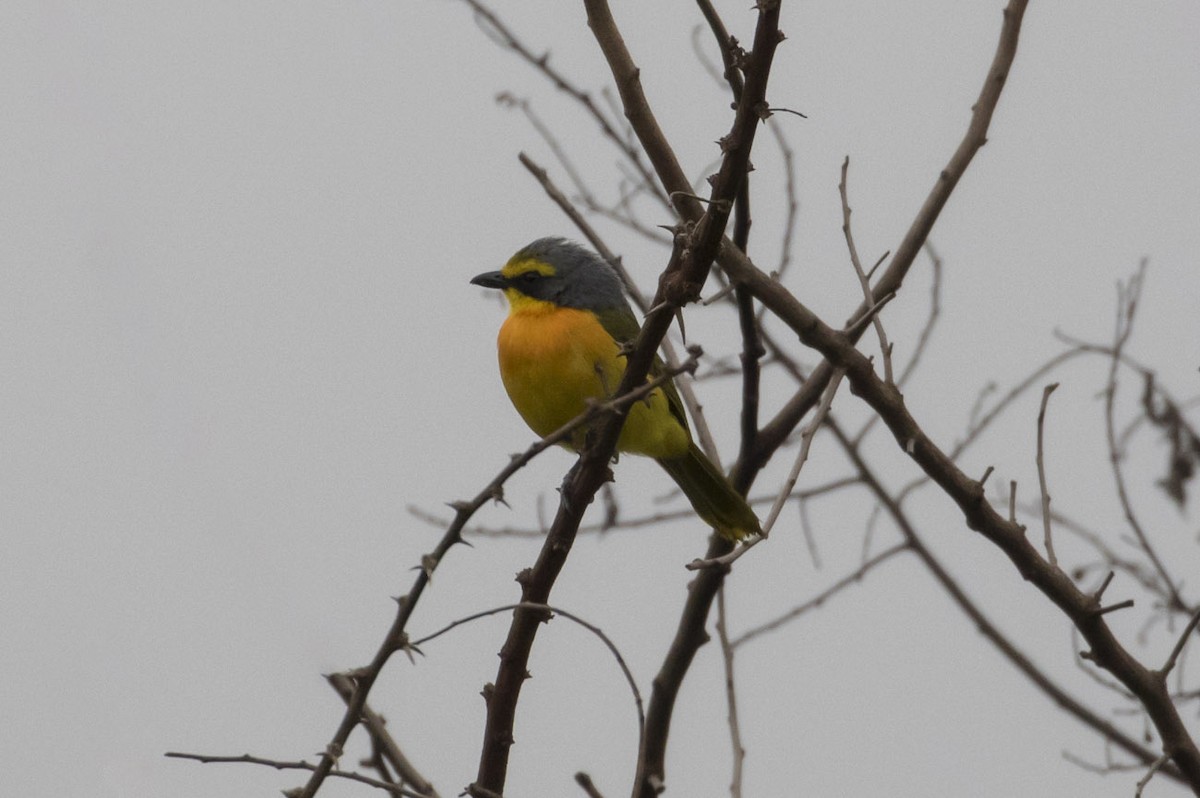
<point>529,278</point>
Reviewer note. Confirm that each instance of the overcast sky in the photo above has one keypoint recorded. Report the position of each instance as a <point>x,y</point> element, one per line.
<point>237,342</point>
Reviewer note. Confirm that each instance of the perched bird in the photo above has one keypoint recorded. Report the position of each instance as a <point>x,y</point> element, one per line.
<point>561,346</point>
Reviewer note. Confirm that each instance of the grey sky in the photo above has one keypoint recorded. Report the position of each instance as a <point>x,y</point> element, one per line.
<point>237,340</point>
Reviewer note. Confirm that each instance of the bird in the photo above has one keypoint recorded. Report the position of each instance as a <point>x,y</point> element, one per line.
<point>561,347</point>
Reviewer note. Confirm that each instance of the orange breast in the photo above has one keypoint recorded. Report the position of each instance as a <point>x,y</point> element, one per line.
<point>554,359</point>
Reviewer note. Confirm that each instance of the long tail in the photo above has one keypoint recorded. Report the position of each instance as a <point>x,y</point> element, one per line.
<point>711,495</point>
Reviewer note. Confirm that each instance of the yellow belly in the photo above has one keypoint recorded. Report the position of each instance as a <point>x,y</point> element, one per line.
<point>553,359</point>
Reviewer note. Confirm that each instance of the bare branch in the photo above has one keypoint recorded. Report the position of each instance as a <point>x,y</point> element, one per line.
<point>546,609</point>
<point>585,781</point>
<point>863,281</point>
<point>806,436</point>
<point>279,764</point>
<point>820,599</point>
<point>1169,665</point>
<point>579,487</point>
<point>396,638</point>
<point>1005,646</point>
<point>702,246</point>
<point>1127,301</point>
<point>735,731</point>
<point>1142,782</point>
<point>739,268</point>
<point>1041,468</point>
<point>968,494</point>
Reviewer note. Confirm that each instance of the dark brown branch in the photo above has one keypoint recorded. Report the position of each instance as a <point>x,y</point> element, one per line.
<point>585,781</point>
<point>579,488</point>
<point>752,352</point>
<point>396,638</point>
<point>892,505</point>
<point>979,515</point>
<point>886,401</point>
<point>690,634</point>
<point>728,47</point>
<point>777,430</point>
<point>703,245</point>
<point>1022,662</point>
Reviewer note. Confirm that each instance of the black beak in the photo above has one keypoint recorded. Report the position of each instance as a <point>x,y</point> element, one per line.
<point>490,280</point>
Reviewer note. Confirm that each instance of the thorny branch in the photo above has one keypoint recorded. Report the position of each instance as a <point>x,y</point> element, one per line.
<point>579,487</point>
<point>893,506</point>
<point>396,638</point>
<point>774,433</point>
<point>546,608</point>
<point>279,764</point>
<point>680,283</point>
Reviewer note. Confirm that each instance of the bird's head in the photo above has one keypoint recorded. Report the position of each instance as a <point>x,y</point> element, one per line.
<point>557,272</point>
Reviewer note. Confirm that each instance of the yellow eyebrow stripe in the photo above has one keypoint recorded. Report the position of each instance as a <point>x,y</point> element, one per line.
<point>524,265</point>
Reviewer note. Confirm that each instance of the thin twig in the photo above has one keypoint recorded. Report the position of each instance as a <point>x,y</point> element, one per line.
<point>1127,303</point>
<point>628,524</point>
<point>806,438</point>
<point>1147,578</point>
<point>931,319</point>
<point>789,192</point>
<point>279,764</point>
<point>381,739</point>
<point>981,424</point>
<point>863,281</point>
<point>1169,665</point>
<point>735,731</point>
<point>547,608</point>
<point>585,781</point>
<point>494,27</point>
<point>820,599</point>
<point>1041,468</point>
<point>1144,780</point>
